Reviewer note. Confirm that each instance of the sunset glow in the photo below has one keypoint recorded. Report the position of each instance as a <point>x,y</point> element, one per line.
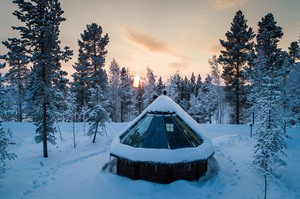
<point>166,36</point>
<point>136,81</point>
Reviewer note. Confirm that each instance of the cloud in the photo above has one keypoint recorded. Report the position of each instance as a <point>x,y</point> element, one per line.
<point>147,42</point>
<point>172,59</point>
<point>178,65</point>
<point>226,4</point>
<point>181,65</point>
<point>152,44</point>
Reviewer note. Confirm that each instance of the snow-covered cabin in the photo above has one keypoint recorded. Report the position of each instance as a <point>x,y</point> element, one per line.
<point>162,144</point>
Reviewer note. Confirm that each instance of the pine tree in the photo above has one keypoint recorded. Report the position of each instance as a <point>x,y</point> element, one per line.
<point>17,75</point>
<point>267,80</point>
<point>98,114</point>
<point>90,71</point>
<point>40,36</point>
<point>114,82</point>
<point>294,51</point>
<point>94,45</point>
<point>238,47</point>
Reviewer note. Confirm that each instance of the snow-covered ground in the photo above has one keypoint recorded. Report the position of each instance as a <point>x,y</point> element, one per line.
<point>77,172</point>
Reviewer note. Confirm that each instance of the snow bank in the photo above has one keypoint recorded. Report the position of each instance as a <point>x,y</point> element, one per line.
<point>76,173</point>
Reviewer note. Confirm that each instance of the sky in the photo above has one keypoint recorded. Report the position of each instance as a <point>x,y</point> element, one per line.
<point>164,35</point>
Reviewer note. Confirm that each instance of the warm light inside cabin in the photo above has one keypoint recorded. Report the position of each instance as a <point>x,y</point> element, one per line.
<point>136,81</point>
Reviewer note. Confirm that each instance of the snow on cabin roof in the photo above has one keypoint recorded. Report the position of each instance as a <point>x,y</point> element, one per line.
<point>162,146</point>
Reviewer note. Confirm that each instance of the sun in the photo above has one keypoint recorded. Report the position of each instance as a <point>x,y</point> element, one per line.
<point>136,81</point>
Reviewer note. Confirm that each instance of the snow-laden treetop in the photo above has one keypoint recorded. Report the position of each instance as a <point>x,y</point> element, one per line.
<point>161,105</point>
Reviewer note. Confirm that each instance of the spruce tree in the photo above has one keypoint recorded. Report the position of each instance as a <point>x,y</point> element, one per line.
<point>198,85</point>
<point>150,88</point>
<point>204,104</point>
<point>196,110</point>
<point>197,107</point>
<point>210,98</point>
<point>175,87</point>
<point>4,154</point>
<point>40,36</point>
<point>293,81</point>
<point>139,100</point>
<point>160,86</point>
<point>71,113</point>
<point>98,114</point>
<point>125,95</point>
<point>185,94</point>
<point>267,80</point>
<point>4,137</point>
<point>114,83</point>
<point>193,82</point>
<point>238,47</point>
<point>217,81</point>
<point>79,85</point>
<point>62,84</point>
<point>17,75</point>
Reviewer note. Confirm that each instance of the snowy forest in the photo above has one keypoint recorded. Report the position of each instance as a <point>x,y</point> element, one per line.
<point>252,81</point>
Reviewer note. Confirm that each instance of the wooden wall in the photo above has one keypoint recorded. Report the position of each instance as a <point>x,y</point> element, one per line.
<point>161,173</point>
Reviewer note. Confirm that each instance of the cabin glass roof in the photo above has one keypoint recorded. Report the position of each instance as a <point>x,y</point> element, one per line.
<point>161,130</point>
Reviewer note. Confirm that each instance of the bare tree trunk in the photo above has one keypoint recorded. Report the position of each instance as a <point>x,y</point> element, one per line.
<point>266,186</point>
<point>59,131</point>
<point>45,128</point>
<point>45,147</point>
<point>74,141</point>
<point>96,130</point>
<point>237,114</point>
<point>20,106</point>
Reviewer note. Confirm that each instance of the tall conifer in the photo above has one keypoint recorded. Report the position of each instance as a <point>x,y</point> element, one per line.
<point>89,69</point>
<point>17,75</point>
<point>236,54</point>
<point>114,82</point>
<point>267,80</point>
<point>40,36</point>
<point>126,93</point>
